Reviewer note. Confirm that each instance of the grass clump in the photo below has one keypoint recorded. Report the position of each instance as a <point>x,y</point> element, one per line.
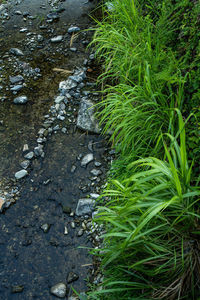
<point>149,50</point>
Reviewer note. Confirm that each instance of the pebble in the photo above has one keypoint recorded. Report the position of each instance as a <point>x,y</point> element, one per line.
<point>20,174</point>
<point>59,290</point>
<point>59,99</point>
<point>85,207</point>
<point>80,232</point>
<point>87,159</point>
<point>45,227</point>
<point>73,29</point>
<point>29,155</point>
<point>20,100</point>
<point>16,79</point>
<point>57,39</point>
<point>16,51</point>
<point>96,172</point>
<point>16,88</point>
<point>25,164</point>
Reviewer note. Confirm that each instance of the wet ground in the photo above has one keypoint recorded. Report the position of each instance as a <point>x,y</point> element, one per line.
<point>33,259</point>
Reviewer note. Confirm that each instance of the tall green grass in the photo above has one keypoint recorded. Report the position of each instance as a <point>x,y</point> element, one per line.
<point>149,51</point>
<point>151,248</point>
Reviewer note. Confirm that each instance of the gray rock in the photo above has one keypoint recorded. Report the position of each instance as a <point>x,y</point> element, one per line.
<point>16,79</point>
<point>59,290</point>
<point>59,99</point>
<point>20,100</point>
<point>67,85</point>
<point>97,164</point>
<point>96,172</point>
<point>29,155</point>
<point>86,120</point>
<point>16,88</point>
<point>24,164</point>
<point>80,232</point>
<point>53,16</point>
<point>21,174</point>
<point>94,195</point>
<point>87,159</point>
<point>39,151</point>
<point>57,39</point>
<point>73,29</point>
<point>45,227</point>
<point>16,51</point>
<point>85,207</point>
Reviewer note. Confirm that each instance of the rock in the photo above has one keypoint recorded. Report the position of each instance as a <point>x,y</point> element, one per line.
<point>2,201</point>
<point>80,232</point>
<point>94,195</point>
<point>57,39</point>
<point>67,85</point>
<point>20,100</point>
<point>16,79</point>
<point>66,209</point>
<point>73,29</point>
<point>53,15</point>
<point>24,164</point>
<point>29,155</point>
<point>96,172</point>
<point>86,120</point>
<point>59,290</point>
<point>16,51</point>
<point>45,227</point>
<point>72,277</point>
<point>87,159</point>
<point>97,164</point>
<point>17,288</point>
<point>85,207</point>
<point>39,151</point>
<point>20,174</point>
<point>59,99</point>
<point>16,88</point>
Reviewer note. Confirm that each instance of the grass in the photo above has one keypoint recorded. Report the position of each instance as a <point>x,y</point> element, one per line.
<point>149,52</point>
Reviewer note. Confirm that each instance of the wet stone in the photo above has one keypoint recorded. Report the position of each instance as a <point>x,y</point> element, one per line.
<point>73,29</point>
<point>96,172</point>
<point>29,155</point>
<point>45,227</point>
<point>21,174</point>
<point>16,88</point>
<point>72,277</point>
<point>86,119</point>
<point>25,164</point>
<point>53,16</point>
<point>16,51</point>
<point>20,100</point>
<point>16,79</point>
<point>85,207</point>
<point>87,159</point>
<point>66,209</point>
<point>59,290</point>
<point>59,99</point>
<point>17,289</point>
<point>57,39</point>
<point>80,232</point>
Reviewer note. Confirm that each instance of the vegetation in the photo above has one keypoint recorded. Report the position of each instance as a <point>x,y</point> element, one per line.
<point>150,52</point>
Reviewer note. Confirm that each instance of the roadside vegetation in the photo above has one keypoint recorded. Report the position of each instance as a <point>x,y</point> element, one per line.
<point>150,53</point>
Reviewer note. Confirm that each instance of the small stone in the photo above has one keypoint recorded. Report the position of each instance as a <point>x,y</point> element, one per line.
<point>73,169</point>
<point>25,164</point>
<point>94,196</point>
<point>17,288</point>
<point>2,201</point>
<point>16,51</point>
<point>29,155</point>
<point>59,290</point>
<point>73,29</point>
<point>59,99</point>
<point>85,207</point>
<point>65,230</point>
<point>45,227</point>
<point>64,130</point>
<point>73,225</point>
<point>57,39</point>
<point>73,49</point>
<point>96,172</point>
<point>72,277</point>
<point>97,164</point>
<point>20,100</point>
<point>80,232</point>
<point>16,88</point>
<point>21,174</point>
<point>16,79</point>
<point>86,117</point>
<point>87,159</point>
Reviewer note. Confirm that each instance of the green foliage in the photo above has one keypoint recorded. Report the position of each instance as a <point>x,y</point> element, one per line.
<point>153,225</point>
